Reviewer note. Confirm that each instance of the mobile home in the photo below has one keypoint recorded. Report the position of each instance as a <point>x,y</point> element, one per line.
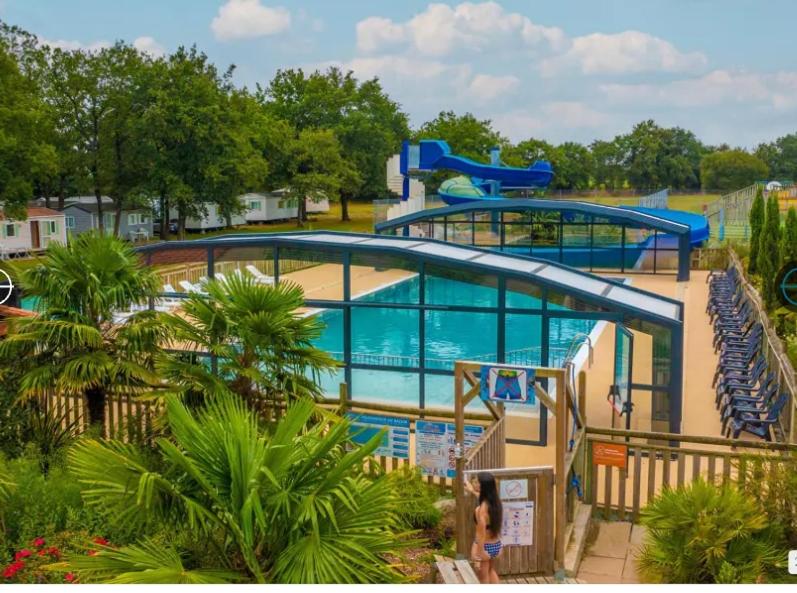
<point>269,207</point>
<point>21,237</point>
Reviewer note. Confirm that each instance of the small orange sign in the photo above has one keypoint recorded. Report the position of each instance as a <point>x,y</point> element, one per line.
<point>610,454</point>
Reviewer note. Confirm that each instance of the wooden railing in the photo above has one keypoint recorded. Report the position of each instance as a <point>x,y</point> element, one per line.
<point>173,274</point>
<point>653,464</point>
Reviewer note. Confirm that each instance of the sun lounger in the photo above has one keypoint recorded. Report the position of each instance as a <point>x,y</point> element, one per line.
<point>260,276</point>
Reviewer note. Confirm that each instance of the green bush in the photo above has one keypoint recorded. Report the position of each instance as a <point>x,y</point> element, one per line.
<point>704,533</point>
<point>417,498</point>
<point>42,506</point>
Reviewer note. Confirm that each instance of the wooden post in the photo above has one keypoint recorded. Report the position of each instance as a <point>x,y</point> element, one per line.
<point>343,395</point>
<point>560,477</point>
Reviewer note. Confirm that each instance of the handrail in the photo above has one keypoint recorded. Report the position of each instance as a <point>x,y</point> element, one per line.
<point>702,440</point>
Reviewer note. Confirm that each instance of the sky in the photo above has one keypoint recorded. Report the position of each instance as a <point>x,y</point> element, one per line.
<point>558,70</point>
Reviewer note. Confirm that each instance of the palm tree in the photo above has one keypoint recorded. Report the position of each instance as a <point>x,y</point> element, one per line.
<point>264,349</point>
<point>286,505</point>
<point>74,345</point>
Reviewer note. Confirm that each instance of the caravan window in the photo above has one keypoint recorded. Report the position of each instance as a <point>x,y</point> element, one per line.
<point>255,205</point>
<point>10,230</point>
<point>70,222</point>
<point>50,227</point>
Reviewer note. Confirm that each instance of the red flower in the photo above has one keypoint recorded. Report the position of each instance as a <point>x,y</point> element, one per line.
<point>92,552</point>
<point>23,553</point>
<point>39,542</point>
<point>54,552</point>
<point>101,541</point>
<point>70,577</point>
<point>13,569</point>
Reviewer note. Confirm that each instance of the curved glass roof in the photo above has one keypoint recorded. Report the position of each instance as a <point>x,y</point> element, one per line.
<point>613,213</point>
<point>602,292</point>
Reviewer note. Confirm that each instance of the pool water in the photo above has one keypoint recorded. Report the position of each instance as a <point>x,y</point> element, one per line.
<point>390,337</point>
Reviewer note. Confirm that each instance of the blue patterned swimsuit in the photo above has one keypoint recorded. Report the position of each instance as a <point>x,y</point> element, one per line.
<point>492,549</point>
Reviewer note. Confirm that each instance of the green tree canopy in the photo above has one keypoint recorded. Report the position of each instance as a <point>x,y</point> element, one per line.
<point>730,170</point>
<point>780,156</point>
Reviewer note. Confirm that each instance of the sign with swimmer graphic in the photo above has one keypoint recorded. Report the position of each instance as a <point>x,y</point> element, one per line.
<point>507,385</point>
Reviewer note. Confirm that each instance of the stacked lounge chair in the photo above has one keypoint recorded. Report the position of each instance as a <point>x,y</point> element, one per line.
<point>748,395</point>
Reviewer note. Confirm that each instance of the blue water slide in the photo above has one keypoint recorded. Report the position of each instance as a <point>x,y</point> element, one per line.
<point>431,155</point>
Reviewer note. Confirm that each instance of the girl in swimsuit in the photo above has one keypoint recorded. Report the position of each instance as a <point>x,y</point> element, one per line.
<point>488,518</point>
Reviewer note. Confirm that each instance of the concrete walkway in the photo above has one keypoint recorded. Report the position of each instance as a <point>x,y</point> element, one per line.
<point>611,558</point>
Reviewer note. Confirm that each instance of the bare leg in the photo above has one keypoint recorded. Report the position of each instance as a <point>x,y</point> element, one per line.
<point>494,580</point>
<point>484,572</point>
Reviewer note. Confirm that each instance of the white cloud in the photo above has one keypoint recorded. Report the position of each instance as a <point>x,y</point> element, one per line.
<point>245,19</point>
<point>149,46</point>
<point>71,45</point>
<point>715,88</point>
<point>556,120</point>
<point>486,87</point>
<point>629,52</point>
<point>375,33</point>
<point>441,30</point>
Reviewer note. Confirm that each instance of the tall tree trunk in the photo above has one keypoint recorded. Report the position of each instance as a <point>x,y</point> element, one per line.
<point>96,398</point>
<point>344,208</point>
<point>61,191</point>
<point>118,218</point>
<point>164,216</point>
<point>301,213</point>
<point>181,216</point>
<point>100,221</point>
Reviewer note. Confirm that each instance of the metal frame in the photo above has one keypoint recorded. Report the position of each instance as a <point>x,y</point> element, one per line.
<point>336,246</point>
<point>620,217</point>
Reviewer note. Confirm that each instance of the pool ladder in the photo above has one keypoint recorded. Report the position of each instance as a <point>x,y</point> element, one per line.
<point>575,345</point>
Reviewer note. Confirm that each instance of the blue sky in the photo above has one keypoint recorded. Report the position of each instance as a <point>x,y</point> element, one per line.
<point>559,70</point>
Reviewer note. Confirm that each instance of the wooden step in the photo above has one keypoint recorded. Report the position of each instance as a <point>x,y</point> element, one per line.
<point>577,538</point>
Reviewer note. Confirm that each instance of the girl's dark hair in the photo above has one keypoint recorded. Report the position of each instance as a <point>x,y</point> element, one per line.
<point>488,491</point>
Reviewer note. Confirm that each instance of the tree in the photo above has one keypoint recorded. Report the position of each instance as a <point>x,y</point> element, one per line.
<point>573,166</point>
<point>285,505</point>
<point>757,216</point>
<point>730,170</point>
<point>788,250</point>
<point>265,351</point>
<point>466,135</point>
<point>25,153</point>
<point>74,345</point>
<point>609,171</point>
<point>368,124</point>
<point>318,169</point>
<point>780,156</point>
<point>769,252</point>
<point>205,139</point>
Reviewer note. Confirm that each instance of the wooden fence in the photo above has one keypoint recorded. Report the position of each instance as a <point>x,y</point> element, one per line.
<point>174,273</point>
<point>620,493</point>
<point>709,258</point>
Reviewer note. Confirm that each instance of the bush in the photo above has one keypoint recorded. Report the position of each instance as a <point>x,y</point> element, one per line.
<point>42,506</point>
<point>774,484</point>
<point>704,533</point>
<point>417,498</point>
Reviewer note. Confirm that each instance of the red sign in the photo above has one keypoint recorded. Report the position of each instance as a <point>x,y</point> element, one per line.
<point>612,454</point>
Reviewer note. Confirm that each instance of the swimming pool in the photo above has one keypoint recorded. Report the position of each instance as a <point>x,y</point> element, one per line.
<point>390,337</point>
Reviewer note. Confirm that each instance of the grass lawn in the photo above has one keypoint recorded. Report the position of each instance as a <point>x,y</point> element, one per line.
<point>361,214</point>
<point>688,202</point>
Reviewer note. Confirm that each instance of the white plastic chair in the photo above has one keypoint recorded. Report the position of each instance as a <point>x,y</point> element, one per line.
<point>260,276</point>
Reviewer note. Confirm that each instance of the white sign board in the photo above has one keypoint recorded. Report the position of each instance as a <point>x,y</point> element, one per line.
<point>513,489</point>
<point>518,527</point>
<point>434,446</point>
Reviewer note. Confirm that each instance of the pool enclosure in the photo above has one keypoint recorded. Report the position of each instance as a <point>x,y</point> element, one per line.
<point>579,234</point>
<point>399,311</point>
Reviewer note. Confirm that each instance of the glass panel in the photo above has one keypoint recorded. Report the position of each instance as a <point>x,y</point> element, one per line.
<point>453,335</point>
<point>385,337</point>
<point>562,332</point>
<point>522,295</point>
<point>575,245</point>
<point>573,279</point>
<point>453,287</point>
<point>644,302</point>
<point>393,387</point>
<point>488,234</point>
<point>448,251</point>
<point>523,339</point>
<point>318,272</point>
<point>383,278</point>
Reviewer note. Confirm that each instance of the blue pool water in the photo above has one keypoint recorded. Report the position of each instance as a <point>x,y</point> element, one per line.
<point>382,336</point>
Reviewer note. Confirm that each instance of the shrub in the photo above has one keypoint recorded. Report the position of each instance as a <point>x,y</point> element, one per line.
<point>756,224</point>
<point>417,498</point>
<point>43,506</point>
<point>37,562</point>
<point>704,533</point>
